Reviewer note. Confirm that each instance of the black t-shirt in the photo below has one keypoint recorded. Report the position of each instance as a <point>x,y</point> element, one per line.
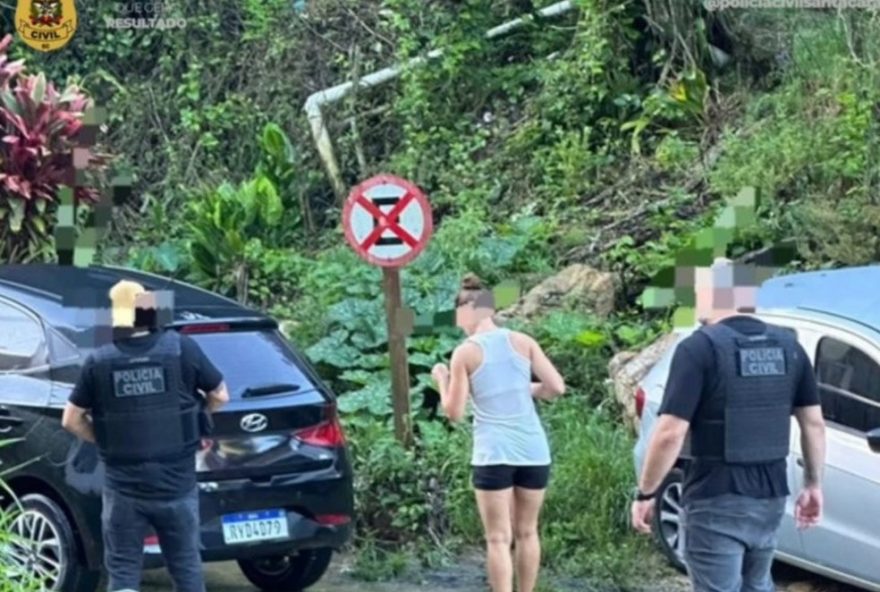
<point>153,480</point>
<point>692,380</point>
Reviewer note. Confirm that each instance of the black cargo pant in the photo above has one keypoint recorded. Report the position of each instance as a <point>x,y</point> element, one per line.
<point>126,520</point>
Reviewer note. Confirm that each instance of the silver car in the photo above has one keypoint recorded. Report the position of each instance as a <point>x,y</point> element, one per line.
<point>836,315</point>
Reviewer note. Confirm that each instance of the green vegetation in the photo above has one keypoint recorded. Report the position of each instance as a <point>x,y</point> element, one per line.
<point>593,137</point>
<point>14,579</point>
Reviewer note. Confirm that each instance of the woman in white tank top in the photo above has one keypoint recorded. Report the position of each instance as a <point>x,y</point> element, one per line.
<point>511,456</point>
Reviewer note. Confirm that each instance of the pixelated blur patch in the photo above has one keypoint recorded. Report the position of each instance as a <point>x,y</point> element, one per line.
<point>405,321</point>
<point>65,229</point>
<point>507,293</point>
<point>684,317</point>
<point>674,285</point>
<point>426,324</point>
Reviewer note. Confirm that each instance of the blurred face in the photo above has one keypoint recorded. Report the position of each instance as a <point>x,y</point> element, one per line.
<point>146,310</point>
<point>712,301</point>
<point>469,315</point>
<point>465,316</point>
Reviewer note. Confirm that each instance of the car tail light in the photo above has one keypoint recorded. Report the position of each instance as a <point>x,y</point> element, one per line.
<point>640,402</point>
<point>328,434</point>
<point>332,519</point>
<point>207,328</point>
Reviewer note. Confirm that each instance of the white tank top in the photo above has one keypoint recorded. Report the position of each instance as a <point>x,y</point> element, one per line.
<point>507,429</point>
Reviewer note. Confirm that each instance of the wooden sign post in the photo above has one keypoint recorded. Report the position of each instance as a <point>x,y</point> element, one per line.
<point>388,222</point>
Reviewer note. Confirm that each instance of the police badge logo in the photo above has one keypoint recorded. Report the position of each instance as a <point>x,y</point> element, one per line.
<point>46,25</point>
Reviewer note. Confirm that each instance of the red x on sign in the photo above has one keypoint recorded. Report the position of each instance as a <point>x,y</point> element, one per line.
<point>387,221</point>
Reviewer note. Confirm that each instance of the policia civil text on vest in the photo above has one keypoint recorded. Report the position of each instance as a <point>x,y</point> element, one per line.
<point>142,413</point>
<point>756,383</point>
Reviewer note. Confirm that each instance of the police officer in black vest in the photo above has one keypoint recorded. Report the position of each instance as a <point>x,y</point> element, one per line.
<point>734,384</point>
<point>138,399</point>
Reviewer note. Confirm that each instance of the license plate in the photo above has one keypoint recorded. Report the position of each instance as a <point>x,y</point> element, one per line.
<point>248,527</point>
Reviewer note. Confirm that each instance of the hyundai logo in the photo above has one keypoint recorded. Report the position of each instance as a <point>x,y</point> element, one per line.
<point>254,422</point>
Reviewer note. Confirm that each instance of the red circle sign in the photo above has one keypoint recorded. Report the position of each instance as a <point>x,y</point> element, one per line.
<point>387,221</point>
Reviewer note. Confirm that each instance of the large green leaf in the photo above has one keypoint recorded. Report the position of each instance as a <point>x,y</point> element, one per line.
<point>423,359</point>
<point>271,208</point>
<point>364,318</point>
<point>38,93</point>
<point>39,225</point>
<point>375,398</point>
<point>358,376</point>
<point>9,102</point>
<point>167,257</point>
<point>334,350</point>
<point>204,259</point>
<point>277,145</point>
<point>273,140</point>
<point>17,205</point>
<point>497,252</point>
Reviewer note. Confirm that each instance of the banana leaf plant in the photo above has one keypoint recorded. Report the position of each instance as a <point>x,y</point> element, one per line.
<point>224,224</point>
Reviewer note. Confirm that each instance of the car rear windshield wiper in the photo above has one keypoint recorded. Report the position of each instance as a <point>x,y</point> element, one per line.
<point>269,389</point>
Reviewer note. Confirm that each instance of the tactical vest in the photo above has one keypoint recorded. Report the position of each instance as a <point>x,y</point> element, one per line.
<point>757,379</point>
<point>143,412</point>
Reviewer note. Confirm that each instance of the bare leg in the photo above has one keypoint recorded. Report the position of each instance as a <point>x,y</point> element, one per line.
<point>512,519</point>
<point>528,503</point>
<point>495,512</point>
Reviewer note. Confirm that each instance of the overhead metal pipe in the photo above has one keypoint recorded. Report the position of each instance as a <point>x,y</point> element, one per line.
<point>315,103</point>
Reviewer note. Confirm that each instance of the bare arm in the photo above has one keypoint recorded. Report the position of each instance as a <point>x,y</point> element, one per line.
<point>76,421</point>
<point>552,385</point>
<point>812,426</point>
<point>454,393</point>
<point>217,398</point>
<point>663,450</point>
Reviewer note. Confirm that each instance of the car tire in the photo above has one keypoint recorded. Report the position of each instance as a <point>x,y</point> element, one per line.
<point>287,574</point>
<point>41,519</point>
<point>667,524</point>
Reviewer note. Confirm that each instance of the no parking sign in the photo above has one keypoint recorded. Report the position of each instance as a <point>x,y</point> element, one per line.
<point>387,221</point>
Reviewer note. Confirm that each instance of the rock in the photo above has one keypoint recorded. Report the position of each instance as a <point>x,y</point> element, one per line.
<point>577,287</point>
<point>627,368</point>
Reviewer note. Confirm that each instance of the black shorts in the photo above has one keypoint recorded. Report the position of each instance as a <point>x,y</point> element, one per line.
<point>497,477</point>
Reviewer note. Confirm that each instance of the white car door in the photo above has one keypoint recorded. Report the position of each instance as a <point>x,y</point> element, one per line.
<point>789,543</point>
<point>847,540</point>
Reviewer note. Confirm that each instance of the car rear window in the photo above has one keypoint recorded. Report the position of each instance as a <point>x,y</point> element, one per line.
<point>253,359</point>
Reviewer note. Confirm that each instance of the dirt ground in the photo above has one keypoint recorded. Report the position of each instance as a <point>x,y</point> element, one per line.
<point>467,576</point>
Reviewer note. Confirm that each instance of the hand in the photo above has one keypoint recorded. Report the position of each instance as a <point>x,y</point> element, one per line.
<point>808,508</point>
<point>440,373</point>
<point>643,515</point>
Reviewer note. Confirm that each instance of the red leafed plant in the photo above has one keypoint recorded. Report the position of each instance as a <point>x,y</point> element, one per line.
<point>38,134</point>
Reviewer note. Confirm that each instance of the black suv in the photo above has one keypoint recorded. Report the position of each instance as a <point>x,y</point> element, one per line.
<point>275,477</point>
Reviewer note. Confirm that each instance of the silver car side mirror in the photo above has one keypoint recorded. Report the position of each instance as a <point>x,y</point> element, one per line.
<point>874,440</point>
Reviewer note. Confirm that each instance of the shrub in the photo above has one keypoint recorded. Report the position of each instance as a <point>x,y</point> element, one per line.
<point>586,522</point>
<point>15,578</point>
<point>40,130</point>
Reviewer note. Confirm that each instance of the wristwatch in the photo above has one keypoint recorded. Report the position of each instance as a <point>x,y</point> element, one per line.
<point>643,497</point>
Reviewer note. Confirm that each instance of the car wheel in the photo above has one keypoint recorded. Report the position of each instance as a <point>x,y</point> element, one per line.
<point>290,573</point>
<point>42,543</point>
<point>668,529</point>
